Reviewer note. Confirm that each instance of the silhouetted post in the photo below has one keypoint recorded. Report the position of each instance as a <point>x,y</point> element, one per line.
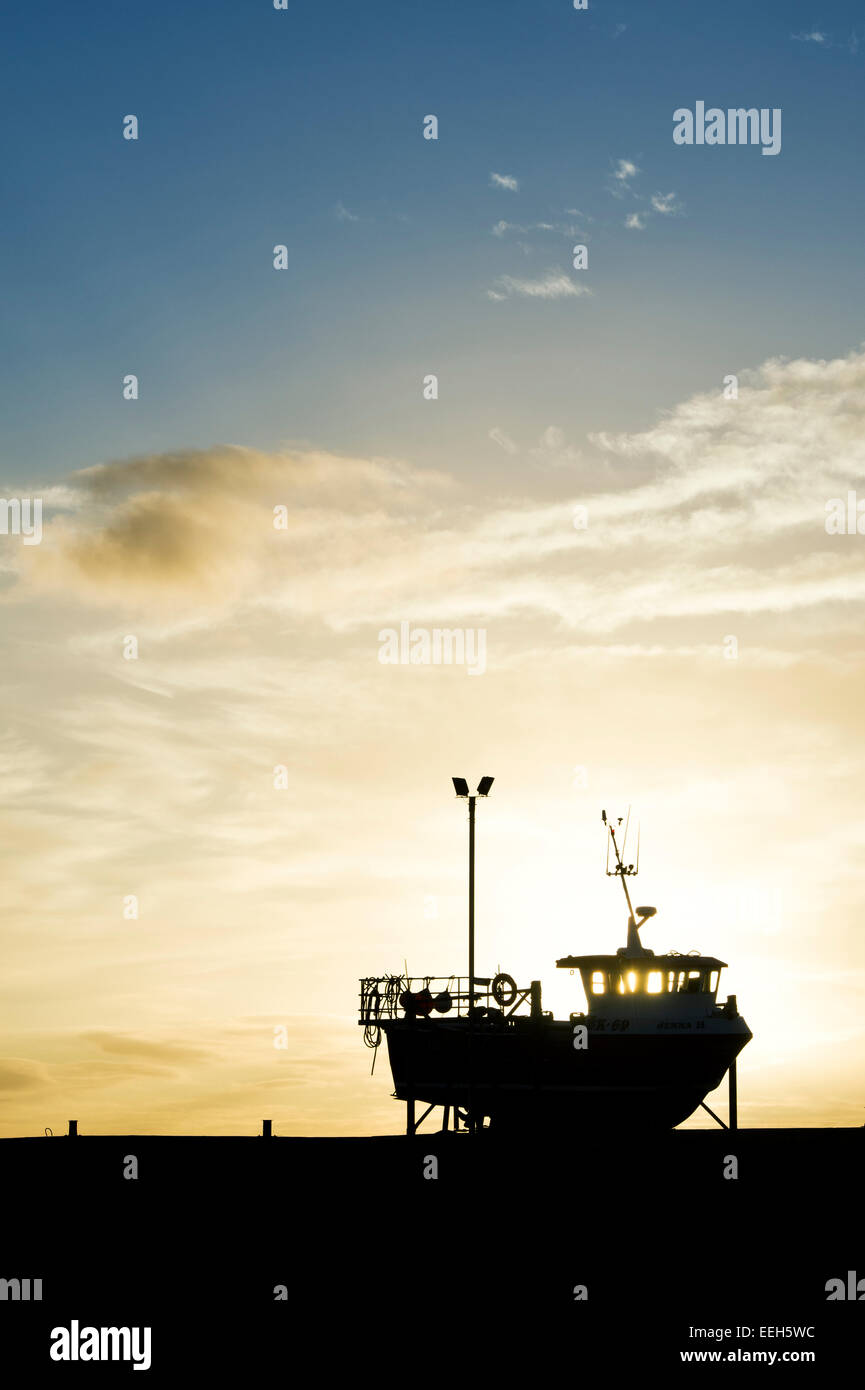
<point>734,1099</point>
<point>268,1129</point>
<point>536,1014</point>
<point>472,1123</point>
<point>471,901</point>
<point>461,787</point>
<point>73,1129</point>
<point>409,1104</point>
<point>536,1010</point>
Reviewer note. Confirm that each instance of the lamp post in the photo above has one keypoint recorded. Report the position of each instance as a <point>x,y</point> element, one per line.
<point>461,787</point>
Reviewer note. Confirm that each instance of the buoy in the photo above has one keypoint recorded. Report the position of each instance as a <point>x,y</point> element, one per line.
<point>504,990</point>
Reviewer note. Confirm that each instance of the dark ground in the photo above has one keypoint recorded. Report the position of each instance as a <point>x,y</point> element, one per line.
<point>391,1275</point>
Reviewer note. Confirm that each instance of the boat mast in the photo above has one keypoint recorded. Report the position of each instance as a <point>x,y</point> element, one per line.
<point>623,871</point>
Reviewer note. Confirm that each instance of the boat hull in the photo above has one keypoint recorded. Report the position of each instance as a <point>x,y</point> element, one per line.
<point>528,1072</point>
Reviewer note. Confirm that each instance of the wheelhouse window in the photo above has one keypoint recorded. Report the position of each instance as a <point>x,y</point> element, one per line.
<point>638,982</point>
<point>642,979</point>
<point>687,982</point>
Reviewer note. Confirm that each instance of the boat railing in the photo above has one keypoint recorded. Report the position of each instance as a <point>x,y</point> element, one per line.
<point>428,996</point>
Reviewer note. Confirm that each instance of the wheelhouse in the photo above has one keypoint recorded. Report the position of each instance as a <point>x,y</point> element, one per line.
<point>615,977</point>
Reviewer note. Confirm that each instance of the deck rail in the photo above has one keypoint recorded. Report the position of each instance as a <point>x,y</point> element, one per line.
<point>421,996</point>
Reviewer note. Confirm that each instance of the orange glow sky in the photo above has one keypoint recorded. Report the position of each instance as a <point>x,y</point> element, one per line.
<point>261,907</point>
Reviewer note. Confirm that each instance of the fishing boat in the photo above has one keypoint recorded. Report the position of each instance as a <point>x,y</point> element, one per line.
<point>652,1041</point>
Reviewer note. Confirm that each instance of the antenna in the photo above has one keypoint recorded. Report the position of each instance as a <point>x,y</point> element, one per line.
<point>625,871</point>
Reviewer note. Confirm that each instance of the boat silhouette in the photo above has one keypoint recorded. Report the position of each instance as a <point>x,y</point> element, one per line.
<point>653,1041</point>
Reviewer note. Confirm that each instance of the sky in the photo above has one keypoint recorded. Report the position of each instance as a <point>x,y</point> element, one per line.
<point>620,477</point>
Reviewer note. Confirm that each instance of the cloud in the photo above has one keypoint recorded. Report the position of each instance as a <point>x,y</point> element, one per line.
<point>824,40</point>
<point>625,170</point>
<point>504,181</point>
<point>665,203</point>
<point>343,214</point>
<point>621,176</point>
<point>732,517</point>
<point>730,493</point>
<point>554,285</point>
<point>22,1074</point>
<point>502,227</point>
<point>503,440</point>
<point>553,451</point>
<point>164,1052</point>
<point>169,528</point>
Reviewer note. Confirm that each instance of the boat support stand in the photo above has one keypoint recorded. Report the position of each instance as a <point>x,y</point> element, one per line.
<point>733,1102</point>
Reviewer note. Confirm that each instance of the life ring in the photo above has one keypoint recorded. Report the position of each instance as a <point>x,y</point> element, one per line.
<point>504,990</point>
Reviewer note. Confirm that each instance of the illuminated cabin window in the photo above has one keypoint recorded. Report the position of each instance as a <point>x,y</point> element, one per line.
<point>644,981</point>
<point>638,982</point>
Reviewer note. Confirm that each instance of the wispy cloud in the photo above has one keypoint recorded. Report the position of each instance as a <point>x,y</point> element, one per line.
<point>624,170</point>
<point>343,214</point>
<point>504,181</point>
<point>665,203</point>
<point>503,440</point>
<point>553,451</point>
<point>822,39</point>
<point>621,177</point>
<point>736,474</point>
<point>554,285</point>
<point>502,227</point>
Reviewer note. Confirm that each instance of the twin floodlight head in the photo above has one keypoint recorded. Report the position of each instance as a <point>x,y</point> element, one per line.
<point>461,786</point>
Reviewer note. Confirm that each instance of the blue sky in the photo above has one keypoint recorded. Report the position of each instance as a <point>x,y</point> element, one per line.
<point>256,126</point>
